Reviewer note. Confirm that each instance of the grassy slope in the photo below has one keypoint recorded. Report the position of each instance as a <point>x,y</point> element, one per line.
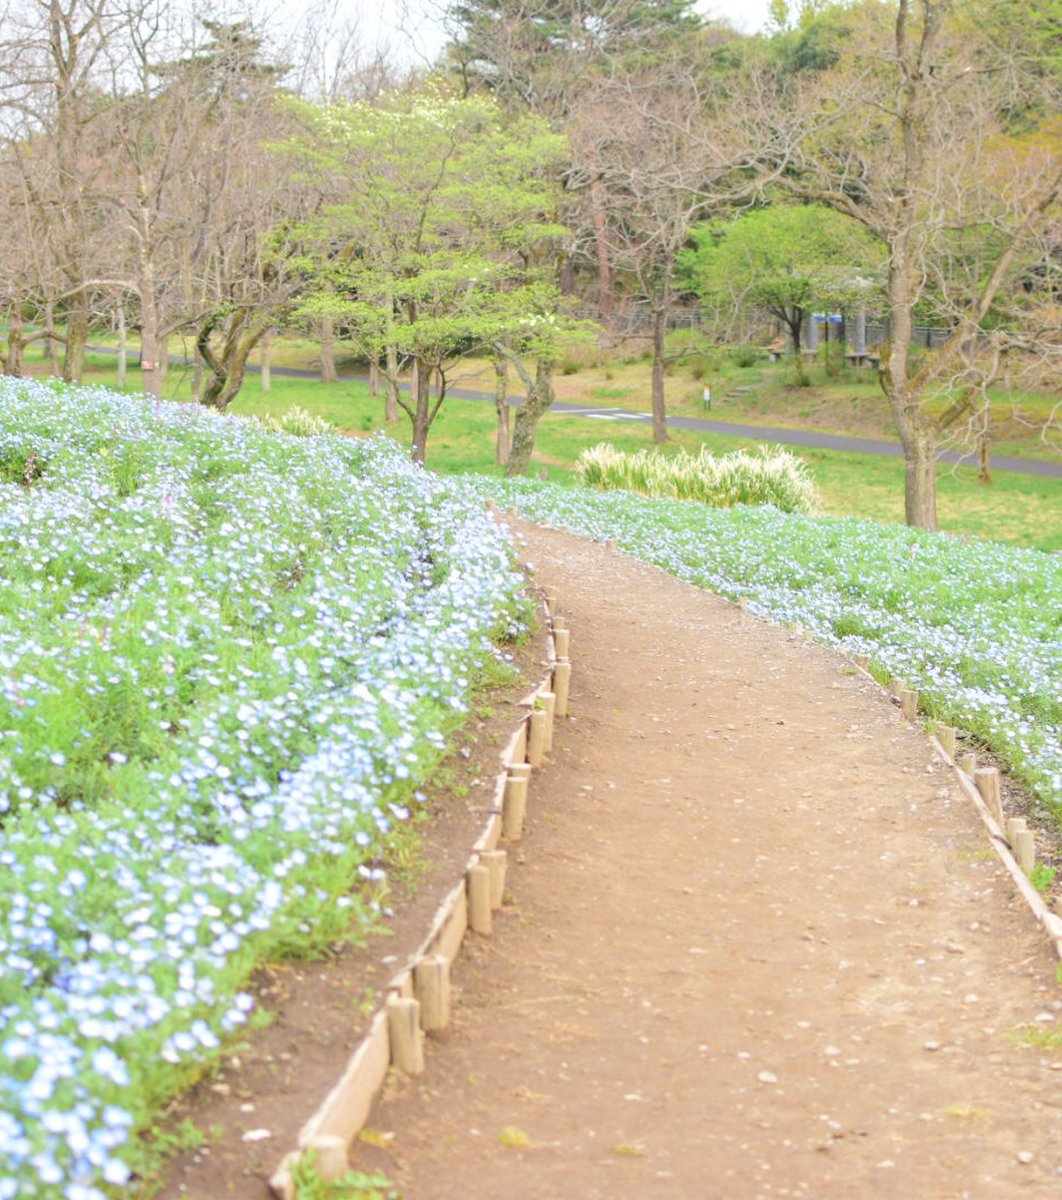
<point>1022,509</point>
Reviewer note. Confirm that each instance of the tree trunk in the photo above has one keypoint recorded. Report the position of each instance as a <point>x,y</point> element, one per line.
<point>13,362</point>
<point>984,453</point>
<point>228,366</point>
<point>606,294</point>
<point>51,343</point>
<point>794,322</point>
<point>374,374</point>
<point>659,361</point>
<point>391,391</point>
<point>328,351</point>
<point>150,345</point>
<point>920,476</point>
<point>421,408</point>
<point>502,439</point>
<point>265,346</point>
<point>77,331</point>
<point>123,346</point>
<point>538,400</point>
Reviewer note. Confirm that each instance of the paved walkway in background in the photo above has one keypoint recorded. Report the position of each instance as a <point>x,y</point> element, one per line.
<point>761,433</point>
<point>756,944</point>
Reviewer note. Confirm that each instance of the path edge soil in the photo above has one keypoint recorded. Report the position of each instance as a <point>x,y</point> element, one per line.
<point>415,1005</point>
<point>981,787</point>
<point>417,997</point>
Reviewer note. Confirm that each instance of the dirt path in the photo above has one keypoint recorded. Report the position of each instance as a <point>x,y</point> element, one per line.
<point>757,945</point>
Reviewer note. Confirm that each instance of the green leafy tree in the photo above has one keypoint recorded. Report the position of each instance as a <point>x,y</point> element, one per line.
<point>541,54</point>
<point>435,210</point>
<point>788,260</point>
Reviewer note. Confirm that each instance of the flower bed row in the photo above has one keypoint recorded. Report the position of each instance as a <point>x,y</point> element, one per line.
<point>975,627</point>
<point>227,657</point>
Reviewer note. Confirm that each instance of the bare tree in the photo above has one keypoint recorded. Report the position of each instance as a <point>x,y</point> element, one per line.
<point>52,53</point>
<point>927,134</point>
<point>656,151</point>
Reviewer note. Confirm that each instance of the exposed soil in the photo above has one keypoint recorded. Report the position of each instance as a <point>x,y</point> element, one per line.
<point>320,1010</point>
<point>755,945</point>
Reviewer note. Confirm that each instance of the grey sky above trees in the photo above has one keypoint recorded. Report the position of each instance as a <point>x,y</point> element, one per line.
<point>413,28</point>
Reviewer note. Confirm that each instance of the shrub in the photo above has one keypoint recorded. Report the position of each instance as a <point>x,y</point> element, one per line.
<point>746,356</point>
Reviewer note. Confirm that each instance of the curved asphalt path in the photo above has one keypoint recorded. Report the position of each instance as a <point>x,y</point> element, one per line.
<point>761,433</point>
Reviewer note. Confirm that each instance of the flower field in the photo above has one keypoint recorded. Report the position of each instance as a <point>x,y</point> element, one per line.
<point>227,658</point>
<point>976,627</point>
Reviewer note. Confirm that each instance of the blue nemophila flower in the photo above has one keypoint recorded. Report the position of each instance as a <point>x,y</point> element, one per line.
<point>974,627</point>
<point>226,658</point>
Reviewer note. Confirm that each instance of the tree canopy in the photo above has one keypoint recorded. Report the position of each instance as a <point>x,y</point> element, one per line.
<point>789,260</point>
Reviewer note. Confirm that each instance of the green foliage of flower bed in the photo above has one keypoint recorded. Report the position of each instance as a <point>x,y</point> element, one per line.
<point>227,660</point>
<point>974,625</point>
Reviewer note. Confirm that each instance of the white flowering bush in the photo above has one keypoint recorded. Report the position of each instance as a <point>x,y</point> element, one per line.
<point>772,476</point>
<point>227,658</point>
<point>976,627</point>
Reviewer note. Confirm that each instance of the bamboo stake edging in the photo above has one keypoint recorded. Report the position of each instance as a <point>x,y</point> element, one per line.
<point>420,993</point>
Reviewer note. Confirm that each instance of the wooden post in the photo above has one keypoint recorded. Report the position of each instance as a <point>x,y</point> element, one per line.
<point>1025,851</point>
<point>909,703</point>
<point>479,916</point>
<point>562,678</point>
<point>514,807</point>
<point>562,642</point>
<point>403,1026</point>
<point>431,984</point>
<point>538,724</point>
<point>331,1156</point>
<point>1015,826</point>
<point>946,737</point>
<point>967,763</point>
<point>550,594</point>
<point>897,686</point>
<point>988,784</point>
<point>495,861</point>
<point>549,704</point>
<point>863,660</point>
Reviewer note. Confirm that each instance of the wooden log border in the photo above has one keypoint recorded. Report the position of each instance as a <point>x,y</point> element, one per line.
<point>417,998</point>
<point>1011,840</point>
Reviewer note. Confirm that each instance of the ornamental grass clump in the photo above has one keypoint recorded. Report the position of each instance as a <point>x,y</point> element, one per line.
<point>298,422</point>
<point>228,660</point>
<point>772,476</point>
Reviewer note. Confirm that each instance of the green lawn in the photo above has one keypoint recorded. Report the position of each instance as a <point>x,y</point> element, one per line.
<point>1021,509</point>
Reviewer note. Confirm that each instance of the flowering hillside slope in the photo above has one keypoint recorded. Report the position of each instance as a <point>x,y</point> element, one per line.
<point>226,659</point>
<point>977,627</point>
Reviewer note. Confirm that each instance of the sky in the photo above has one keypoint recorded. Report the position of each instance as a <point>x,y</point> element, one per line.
<point>397,22</point>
